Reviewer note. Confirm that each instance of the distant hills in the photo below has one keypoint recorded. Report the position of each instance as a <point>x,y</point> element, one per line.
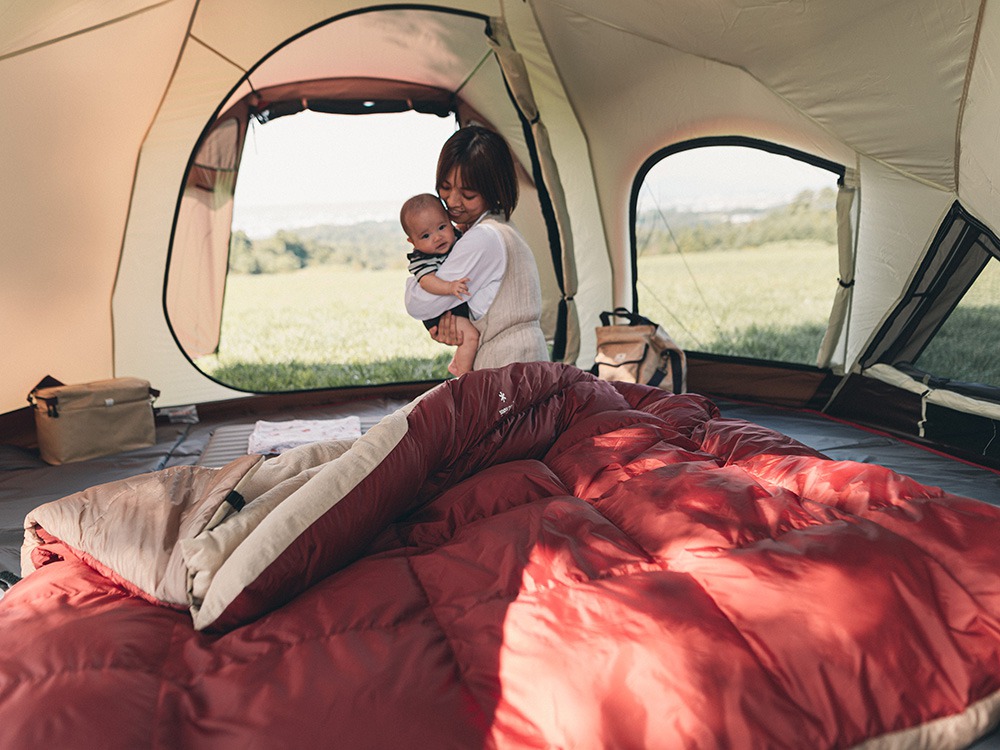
<point>381,244</point>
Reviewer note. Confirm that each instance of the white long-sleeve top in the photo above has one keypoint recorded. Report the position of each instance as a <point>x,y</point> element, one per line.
<point>479,255</point>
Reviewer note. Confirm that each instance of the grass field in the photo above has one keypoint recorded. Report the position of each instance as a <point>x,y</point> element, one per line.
<point>321,327</point>
<point>770,302</point>
<point>334,326</point>
<point>966,346</point>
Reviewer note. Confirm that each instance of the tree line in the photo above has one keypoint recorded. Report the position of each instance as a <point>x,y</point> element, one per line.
<point>372,245</point>
<point>811,215</point>
<point>377,245</point>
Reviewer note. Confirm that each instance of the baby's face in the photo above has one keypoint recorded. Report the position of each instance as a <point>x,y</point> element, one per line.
<point>431,232</point>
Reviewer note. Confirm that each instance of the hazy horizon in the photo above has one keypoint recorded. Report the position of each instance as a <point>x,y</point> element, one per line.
<point>310,169</point>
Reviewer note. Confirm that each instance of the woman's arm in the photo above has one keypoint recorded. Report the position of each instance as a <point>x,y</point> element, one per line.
<point>478,255</point>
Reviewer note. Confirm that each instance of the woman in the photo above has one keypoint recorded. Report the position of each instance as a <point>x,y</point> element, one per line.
<point>478,184</point>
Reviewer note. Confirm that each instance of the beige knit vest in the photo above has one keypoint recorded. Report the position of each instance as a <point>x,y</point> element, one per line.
<point>510,331</point>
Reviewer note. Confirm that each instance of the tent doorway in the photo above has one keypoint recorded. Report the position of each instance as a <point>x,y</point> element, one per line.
<point>313,297</point>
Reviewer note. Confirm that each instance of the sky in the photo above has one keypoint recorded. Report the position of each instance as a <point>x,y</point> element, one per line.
<point>315,168</point>
<point>729,177</point>
<point>311,168</point>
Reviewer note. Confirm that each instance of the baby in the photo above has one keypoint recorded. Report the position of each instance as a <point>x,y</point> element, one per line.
<point>432,235</point>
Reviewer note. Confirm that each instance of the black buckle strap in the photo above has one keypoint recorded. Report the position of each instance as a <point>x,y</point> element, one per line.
<point>51,404</point>
<point>236,500</point>
<point>675,371</point>
<point>634,319</point>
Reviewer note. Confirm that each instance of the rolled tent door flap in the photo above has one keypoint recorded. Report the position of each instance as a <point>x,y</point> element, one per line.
<point>567,346</point>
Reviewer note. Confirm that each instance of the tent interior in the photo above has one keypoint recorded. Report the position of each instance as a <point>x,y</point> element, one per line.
<point>126,122</point>
<point>125,207</point>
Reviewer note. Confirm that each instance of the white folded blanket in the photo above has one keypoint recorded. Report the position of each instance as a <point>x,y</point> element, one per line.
<point>277,437</point>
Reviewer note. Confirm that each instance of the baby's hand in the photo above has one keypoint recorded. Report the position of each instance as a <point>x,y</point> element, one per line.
<point>459,288</point>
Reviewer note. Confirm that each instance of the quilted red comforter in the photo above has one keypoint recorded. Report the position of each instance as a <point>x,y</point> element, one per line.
<point>524,558</point>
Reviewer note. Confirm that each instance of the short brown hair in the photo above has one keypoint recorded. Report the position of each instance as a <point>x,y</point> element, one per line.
<point>483,159</point>
<point>418,203</point>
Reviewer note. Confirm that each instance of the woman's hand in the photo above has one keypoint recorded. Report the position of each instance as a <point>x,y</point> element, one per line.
<point>446,331</point>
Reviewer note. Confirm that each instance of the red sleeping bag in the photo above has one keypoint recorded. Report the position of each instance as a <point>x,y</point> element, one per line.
<point>525,557</point>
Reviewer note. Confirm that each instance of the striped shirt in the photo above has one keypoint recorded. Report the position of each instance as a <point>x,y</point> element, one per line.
<point>422,263</point>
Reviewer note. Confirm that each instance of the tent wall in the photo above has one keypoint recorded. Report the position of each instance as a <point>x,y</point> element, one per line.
<point>196,278</point>
<point>143,342</point>
<point>572,152</point>
<point>979,137</point>
<point>959,253</point>
<point>678,96</point>
<point>76,110</point>
<point>899,217</point>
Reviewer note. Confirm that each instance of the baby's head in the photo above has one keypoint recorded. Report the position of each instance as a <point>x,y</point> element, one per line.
<point>426,224</point>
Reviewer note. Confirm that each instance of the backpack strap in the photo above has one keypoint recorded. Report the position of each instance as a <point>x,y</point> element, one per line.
<point>675,370</point>
<point>634,319</point>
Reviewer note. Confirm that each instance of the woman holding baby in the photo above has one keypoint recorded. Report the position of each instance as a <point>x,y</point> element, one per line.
<point>478,185</point>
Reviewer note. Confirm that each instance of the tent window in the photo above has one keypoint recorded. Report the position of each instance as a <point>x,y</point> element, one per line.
<point>314,293</point>
<point>735,249</point>
<point>965,347</point>
<point>945,326</point>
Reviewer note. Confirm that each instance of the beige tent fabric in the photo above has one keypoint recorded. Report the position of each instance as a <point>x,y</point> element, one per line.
<point>197,274</point>
<point>893,207</point>
<point>846,247</point>
<point>196,283</point>
<point>516,76</point>
<point>928,395</point>
<point>595,283</point>
<point>73,123</point>
<point>978,173</point>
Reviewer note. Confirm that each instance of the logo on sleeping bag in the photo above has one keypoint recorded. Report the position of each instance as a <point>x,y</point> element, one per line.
<point>503,399</point>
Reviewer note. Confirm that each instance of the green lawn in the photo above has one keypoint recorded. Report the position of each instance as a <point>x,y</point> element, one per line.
<point>774,302</point>
<point>769,302</point>
<point>965,348</point>
<point>321,327</point>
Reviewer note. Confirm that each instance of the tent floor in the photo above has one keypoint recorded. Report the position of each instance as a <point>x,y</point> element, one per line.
<point>26,481</point>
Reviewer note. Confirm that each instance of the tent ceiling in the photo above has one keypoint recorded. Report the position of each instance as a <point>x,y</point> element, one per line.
<point>441,49</point>
<point>435,49</point>
<point>230,28</point>
<point>24,26</point>
<point>869,63</point>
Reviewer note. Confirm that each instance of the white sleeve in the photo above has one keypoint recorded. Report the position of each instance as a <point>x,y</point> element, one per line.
<point>479,255</point>
<point>424,305</point>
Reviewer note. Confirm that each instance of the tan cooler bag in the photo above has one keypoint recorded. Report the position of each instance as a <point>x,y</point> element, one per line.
<point>77,422</point>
